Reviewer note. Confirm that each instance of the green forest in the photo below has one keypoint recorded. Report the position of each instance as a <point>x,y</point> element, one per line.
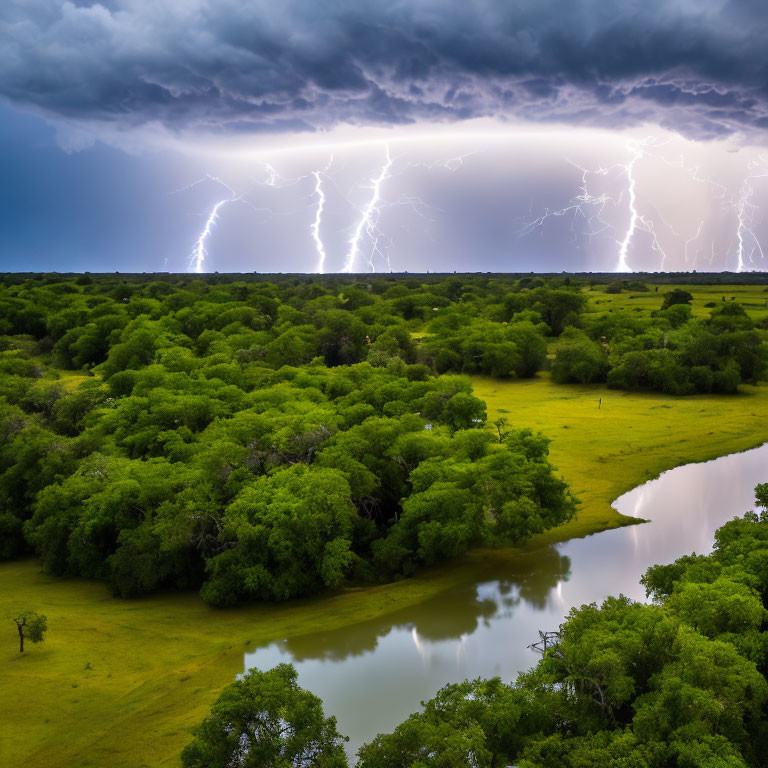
<point>264,440</point>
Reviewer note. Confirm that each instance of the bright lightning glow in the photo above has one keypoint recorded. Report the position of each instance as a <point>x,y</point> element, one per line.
<point>451,164</point>
<point>612,202</point>
<point>637,153</point>
<point>636,220</point>
<point>369,218</point>
<point>199,251</point>
<point>695,173</point>
<point>745,211</point>
<point>321,255</point>
<point>273,178</point>
<point>592,208</point>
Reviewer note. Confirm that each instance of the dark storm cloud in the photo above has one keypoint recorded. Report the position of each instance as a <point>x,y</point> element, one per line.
<point>700,66</point>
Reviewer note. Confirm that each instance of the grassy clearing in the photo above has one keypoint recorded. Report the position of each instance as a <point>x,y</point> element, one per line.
<point>604,450</point>
<point>70,380</point>
<point>119,683</point>
<point>753,298</point>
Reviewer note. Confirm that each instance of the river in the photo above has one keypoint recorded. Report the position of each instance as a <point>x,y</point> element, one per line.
<point>372,675</point>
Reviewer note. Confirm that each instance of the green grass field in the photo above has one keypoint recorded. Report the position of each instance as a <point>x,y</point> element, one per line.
<point>604,450</point>
<point>119,683</point>
<point>753,298</point>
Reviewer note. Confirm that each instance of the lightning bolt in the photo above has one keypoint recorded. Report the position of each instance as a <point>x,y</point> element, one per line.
<point>745,213</point>
<point>590,213</point>
<point>585,205</point>
<point>600,201</point>
<point>315,228</point>
<point>629,168</point>
<point>638,221</point>
<point>695,173</point>
<point>199,252</point>
<point>274,179</point>
<point>369,218</point>
<point>591,208</point>
<point>366,228</point>
<point>451,164</point>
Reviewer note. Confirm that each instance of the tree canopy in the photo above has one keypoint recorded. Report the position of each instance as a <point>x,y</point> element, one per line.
<point>259,441</point>
<point>265,720</point>
<point>186,433</point>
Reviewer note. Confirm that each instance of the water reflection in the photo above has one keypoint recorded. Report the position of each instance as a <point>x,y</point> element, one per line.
<point>447,616</point>
<point>373,674</point>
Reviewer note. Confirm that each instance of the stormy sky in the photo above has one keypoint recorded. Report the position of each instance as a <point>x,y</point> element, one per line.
<point>469,135</point>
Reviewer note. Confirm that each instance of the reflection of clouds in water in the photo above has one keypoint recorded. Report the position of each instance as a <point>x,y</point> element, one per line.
<point>452,615</point>
<point>559,592</point>
<point>425,649</point>
<point>460,650</point>
<point>687,504</point>
<point>642,498</point>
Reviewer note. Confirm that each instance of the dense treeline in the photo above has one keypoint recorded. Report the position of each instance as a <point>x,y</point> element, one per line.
<point>233,439</point>
<point>669,352</point>
<point>680,683</point>
<point>500,327</point>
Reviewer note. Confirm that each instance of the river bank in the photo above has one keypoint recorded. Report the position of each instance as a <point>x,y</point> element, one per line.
<point>120,682</point>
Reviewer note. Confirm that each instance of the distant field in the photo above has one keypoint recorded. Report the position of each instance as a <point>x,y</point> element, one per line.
<point>119,683</point>
<point>753,298</point>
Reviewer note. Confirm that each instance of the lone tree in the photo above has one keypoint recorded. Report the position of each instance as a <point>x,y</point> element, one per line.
<point>31,626</point>
<point>264,720</point>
